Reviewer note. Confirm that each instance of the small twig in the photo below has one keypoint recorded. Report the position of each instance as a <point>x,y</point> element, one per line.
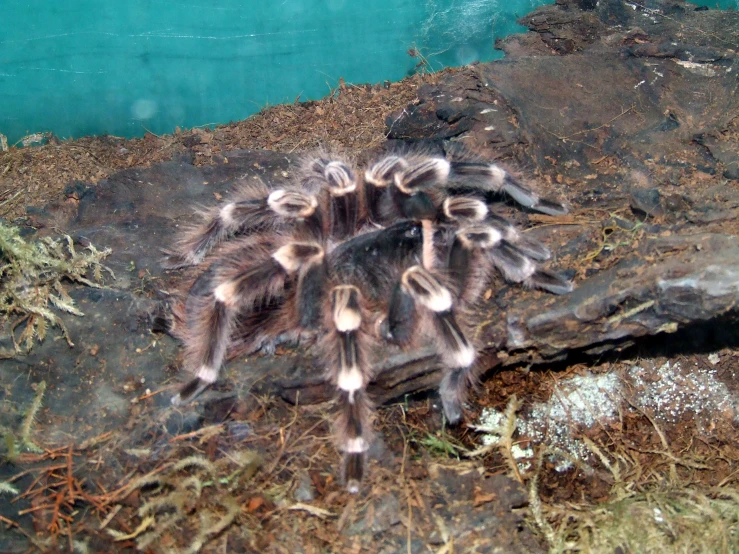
<point>34,509</point>
<point>409,527</point>
<point>313,510</point>
<point>44,472</point>
<point>151,132</point>
<point>110,516</point>
<point>94,441</point>
<point>20,191</point>
<point>53,526</point>
<point>623,112</point>
<point>9,522</point>
<point>70,476</point>
<point>150,394</point>
<point>194,434</point>
<point>20,529</point>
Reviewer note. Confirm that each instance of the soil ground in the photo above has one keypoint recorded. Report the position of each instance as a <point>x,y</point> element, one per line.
<point>249,472</point>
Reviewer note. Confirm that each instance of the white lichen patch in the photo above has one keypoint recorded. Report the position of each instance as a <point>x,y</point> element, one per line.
<point>701,69</point>
<point>583,400</point>
<point>671,394</point>
<point>492,425</point>
<point>668,393</point>
<point>576,404</point>
<point>520,453</point>
<point>490,421</point>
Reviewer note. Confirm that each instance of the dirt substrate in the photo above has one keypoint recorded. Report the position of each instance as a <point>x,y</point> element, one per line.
<point>607,421</point>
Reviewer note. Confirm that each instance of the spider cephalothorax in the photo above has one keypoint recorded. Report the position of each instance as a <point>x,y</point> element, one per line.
<point>396,254</point>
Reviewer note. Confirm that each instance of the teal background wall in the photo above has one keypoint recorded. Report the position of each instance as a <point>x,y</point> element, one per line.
<point>85,67</point>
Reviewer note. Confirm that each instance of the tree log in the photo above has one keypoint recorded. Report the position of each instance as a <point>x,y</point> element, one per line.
<point>699,281</point>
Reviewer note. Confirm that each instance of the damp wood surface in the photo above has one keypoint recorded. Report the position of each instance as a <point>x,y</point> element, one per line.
<point>630,115</point>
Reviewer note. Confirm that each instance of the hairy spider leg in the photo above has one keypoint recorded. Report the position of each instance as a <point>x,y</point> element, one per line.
<point>378,179</point>
<point>240,284</point>
<point>346,351</point>
<point>420,287</point>
<point>255,209</point>
<point>470,211</point>
<point>494,178</point>
<point>476,248</point>
<point>344,197</point>
<point>518,268</point>
<point>468,264</point>
<point>412,184</point>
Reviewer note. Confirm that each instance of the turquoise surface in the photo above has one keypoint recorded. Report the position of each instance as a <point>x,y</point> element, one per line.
<point>85,67</point>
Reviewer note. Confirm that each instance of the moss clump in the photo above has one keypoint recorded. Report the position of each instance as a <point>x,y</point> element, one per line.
<point>188,500</point>
<point>32,276</point>
<point>15,444</point>
<point>673,520</point>
<point>646,512</point>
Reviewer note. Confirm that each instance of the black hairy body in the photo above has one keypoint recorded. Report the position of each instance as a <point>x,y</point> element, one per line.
<point>395,254</point>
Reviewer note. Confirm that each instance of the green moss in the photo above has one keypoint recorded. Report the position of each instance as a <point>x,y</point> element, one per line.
<point>32,284</point>
<point>674,520</point>
<point>646,513</point>
<point>189,495</point>
<point>7,488</point>
<point>22,442</point>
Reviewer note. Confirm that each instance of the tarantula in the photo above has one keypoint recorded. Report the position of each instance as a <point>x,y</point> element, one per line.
<point>396,253</point>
